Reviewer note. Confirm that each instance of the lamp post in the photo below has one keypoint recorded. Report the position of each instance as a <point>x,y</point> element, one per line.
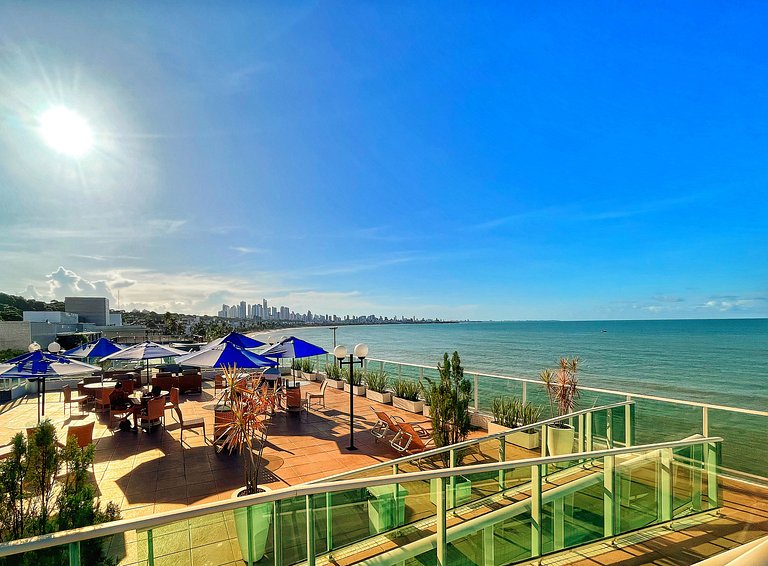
<point>340,352</point>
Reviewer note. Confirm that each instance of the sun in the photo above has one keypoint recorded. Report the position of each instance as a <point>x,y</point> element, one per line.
<point>66,131</point>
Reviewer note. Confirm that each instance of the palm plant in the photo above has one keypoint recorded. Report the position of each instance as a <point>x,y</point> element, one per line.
<point>562,385</point>
<point>247,431</point>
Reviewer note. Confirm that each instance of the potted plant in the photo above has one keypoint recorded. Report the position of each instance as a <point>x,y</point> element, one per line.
<point>358,388</point>
<point>333,375</point>
<point>296,368</point>
<point>449,402</point>
<point>376,382</point>
<point>405,395</point>
<point>308,369</point>
<point>511,412</point>
<point>246,434</point>
<point>562,385</point>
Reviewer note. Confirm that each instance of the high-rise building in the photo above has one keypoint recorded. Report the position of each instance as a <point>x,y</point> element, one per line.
<point>241,310</point>
<point>89,309</point>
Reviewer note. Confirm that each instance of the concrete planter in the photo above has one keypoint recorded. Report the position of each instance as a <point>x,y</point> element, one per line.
<point>425,410</point>
<point>385,398</point>
<point>560,440</point>
<point>411,406</point>
<point>335,383</point>
<point>527,440</point>
<point>261,519</point>
<point>356,389</point>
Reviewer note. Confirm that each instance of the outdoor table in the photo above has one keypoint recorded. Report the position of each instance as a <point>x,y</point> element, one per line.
<point>99,385</point>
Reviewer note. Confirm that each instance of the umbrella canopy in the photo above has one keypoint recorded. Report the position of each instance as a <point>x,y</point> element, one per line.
<point>225,355</point>
<point>293,347</point>
<point>39,365</point>
<point>237,339</point>
<point>98,349</point>
<point>144,351</point>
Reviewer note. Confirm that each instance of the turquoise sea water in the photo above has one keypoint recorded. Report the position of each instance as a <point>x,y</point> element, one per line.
<point>723,362</point>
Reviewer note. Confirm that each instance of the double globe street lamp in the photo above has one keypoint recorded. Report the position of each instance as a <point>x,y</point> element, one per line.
<point>340,353</point>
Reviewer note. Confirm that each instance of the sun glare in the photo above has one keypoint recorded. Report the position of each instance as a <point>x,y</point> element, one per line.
<point>66,131</point>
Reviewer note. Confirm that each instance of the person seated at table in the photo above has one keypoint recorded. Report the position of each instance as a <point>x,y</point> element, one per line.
<point>156,391</point>
<point>119,401</point>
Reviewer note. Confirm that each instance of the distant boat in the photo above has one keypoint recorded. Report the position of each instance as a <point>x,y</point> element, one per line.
<point>603,330</point>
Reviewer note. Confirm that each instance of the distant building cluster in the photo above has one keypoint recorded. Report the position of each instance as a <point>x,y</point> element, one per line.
<point>262,312</point>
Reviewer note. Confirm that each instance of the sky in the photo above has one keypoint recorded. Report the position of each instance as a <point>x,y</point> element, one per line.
<point>492,160</point>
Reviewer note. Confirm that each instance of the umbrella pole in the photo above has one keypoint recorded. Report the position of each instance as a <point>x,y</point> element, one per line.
<point>38,401</point>
<point>43,397</point>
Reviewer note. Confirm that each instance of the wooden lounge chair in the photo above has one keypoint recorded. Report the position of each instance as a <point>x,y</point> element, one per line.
<point>68,399</point>
<point>409,439</point>
<point>309,397</point>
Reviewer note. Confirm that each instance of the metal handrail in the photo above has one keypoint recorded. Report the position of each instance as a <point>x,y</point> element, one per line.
<point>473,441</point>
<point>144,523</point>
<point>598,390</point>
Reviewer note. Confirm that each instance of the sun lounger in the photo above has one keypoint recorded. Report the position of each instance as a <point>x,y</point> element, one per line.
<point>411,438</point>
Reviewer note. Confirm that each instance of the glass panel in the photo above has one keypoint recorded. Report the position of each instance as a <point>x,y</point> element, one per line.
<point>741,433</point>
<point>354,515</point>
<point>467,551</point>
<point>637,483</point>
<point>679,421</point>
<point>578,515</point>
<point>512,539</point>
<point>292,535</point>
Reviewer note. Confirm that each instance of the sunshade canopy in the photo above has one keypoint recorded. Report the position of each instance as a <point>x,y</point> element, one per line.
<point>237,339</point>
<point>39,364</point>
<point>144,351</point>
<point>98,349</point>
<point>225,355</point>
<point>293,347</point>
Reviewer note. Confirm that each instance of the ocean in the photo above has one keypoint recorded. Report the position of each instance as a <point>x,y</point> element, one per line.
<point>723,362</point>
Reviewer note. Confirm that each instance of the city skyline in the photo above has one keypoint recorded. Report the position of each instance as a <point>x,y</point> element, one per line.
<point>499,161</point>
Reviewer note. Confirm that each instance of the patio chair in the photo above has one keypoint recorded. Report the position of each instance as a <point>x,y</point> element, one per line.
<point>172,403</point>
<point>310,398</point>
<point>118,415</point>
<point>68,399</point>
<point>218,384</point>
<point>102,399</point>
<point>155,412</point>
<point>411,439</point>
<point>189,424</point>
<point>385,424</point>
<point>84,436</point>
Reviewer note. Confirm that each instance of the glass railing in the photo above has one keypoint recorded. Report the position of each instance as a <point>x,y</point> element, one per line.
<point>490,513</point>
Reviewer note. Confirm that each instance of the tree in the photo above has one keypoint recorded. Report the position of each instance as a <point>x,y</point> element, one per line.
<point>449,402</point>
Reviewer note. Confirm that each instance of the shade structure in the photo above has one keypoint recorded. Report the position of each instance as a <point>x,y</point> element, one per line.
<point>237,339</point>
<point>144,351</point>
<point>39,365</point>
<point>97,349</point>
<point>225,355</point>
<point>293,347</point>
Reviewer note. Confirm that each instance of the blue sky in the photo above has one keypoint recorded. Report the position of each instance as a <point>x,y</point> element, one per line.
<point>483,160</point>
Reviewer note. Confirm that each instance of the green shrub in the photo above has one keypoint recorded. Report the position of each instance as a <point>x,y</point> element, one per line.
<point>511,412</point>
<point>449,402</point>
<point>377,380</point>
<point>332,371</point>
<point>307,365</point>
<point>406,389</point>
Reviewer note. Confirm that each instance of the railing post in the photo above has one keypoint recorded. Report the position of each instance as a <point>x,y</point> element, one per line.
<point>399,370</point>
<point>536,527</point>
<point>588,431</point>
<point>452,480</point>
<point>477,394</point>
<point>328,522</point>
<point>544,435</point>
<point>277,532</point>
<point>665,484</point>
<point>558,518</point>
<point>74,553</point>
<point>311,552</point>
<point>628,428</point>
<point>489,550</point>
<point>442,536</point>
<point>609,496</point>
<point>609,427</point>
<point>502,458</point>
<point>421,374</point>
<point>712,463</point>
<point>396,491</point>
<point>525,392</point>
<point>580,438</point>
<point>150,549</point>
<point>381,366</point>
<point>705,421</point>
<point>696,464</point>
<point>249,528</point>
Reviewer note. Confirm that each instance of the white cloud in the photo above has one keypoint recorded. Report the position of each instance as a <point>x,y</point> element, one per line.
<point>245,250</point>
<point>66,283</point>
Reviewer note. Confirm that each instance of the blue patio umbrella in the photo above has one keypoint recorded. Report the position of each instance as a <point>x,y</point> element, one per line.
<point>144,351</point>
<point>237,339</point>
<point>97,349</point>
<point>225,355</point>
<point>38,366</point>
<point>293,347</point>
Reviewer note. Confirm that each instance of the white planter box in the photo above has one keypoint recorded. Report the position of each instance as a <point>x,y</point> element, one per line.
<point>356,389</point>
<point>425,410</point>
<point>525,440</point>
<point>406,405</point>
<point>309,375</point>
<point>479,420</point>
<point>385,398</point>
<point>336,383</point>
<point>295,373</point>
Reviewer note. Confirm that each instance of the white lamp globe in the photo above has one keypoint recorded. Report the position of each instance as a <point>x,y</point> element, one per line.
<point>361,351</point>
<point>34,347</point>
<point>54,347</point>
<point>340,352</point>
